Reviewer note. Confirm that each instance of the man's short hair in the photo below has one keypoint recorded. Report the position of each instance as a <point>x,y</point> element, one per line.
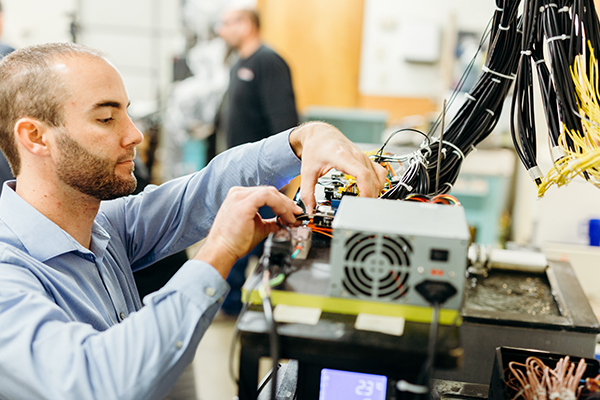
<point>32,88</point>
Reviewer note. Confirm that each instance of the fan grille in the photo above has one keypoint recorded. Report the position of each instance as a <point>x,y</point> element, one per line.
<point>376,266</point>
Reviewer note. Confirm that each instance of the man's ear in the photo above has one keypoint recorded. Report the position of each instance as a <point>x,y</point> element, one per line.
<point>33,136</point>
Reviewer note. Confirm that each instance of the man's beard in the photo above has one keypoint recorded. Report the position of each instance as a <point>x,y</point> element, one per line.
<point>89,173</point>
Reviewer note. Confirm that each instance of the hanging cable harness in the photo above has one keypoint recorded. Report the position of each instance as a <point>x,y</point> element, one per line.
<point>474,121</point>
<point>558,39</point>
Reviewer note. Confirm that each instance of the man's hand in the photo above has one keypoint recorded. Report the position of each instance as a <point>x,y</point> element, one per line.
<point>323,147</point>
<point>238,227</point>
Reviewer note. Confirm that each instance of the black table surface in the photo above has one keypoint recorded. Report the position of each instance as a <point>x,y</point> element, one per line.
<point>335,338</point>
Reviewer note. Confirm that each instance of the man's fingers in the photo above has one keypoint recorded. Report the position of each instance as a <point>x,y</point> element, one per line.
<point>379,174</point>
<point>307,189</point>
<point>267,226</point>
<point>367,178</point>
<point>370,178</point>
<point>323,147</point>
<point>281,205</point>
<point>382,173</point>
<point>379,171</point>
<point>238,227</point>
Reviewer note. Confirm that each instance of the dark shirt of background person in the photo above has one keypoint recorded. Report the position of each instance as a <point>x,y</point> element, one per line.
<point>260,98</point>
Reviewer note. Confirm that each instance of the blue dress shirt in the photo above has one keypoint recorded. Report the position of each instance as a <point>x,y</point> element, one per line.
<point>72,325</point>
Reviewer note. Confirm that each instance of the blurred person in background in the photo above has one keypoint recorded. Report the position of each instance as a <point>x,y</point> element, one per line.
<point>259,103</point>
<point>260,99</point>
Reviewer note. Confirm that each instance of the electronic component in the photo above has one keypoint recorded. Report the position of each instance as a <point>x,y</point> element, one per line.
<point>301,239</point>
<point>324,214</point>
<point>278,249</point>
<point>330,193</point>
<point>323,220</point>
<point>439,255</point>
<point>337,384</point>
<point>382,249</point>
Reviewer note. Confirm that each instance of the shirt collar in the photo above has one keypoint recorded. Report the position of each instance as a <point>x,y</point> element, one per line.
<point>42,238</point>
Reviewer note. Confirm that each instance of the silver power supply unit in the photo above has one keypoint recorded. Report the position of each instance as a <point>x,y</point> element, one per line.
<point>382,249</point>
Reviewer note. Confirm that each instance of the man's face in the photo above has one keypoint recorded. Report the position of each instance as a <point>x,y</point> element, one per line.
<point>92,174</point>
<point>233,28</point>
<point>95,150</point>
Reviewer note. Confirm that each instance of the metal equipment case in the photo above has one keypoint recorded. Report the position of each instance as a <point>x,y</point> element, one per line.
<point>381,249</point>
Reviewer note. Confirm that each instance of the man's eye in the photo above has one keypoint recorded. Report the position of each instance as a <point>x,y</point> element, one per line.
<point>105,120</point>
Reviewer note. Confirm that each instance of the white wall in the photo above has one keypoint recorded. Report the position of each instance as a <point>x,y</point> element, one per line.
<point>29,22</point>
<point>390,33</point>
<point>141,37</point>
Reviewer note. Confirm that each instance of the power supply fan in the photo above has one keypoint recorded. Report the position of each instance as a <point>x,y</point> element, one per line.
<point>376,266</point>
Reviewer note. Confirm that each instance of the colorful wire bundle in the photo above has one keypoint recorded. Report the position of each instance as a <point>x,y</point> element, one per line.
<point>445,199</point>
<point>439,199</point>
<point>536,381</point>
<point>320,230</point>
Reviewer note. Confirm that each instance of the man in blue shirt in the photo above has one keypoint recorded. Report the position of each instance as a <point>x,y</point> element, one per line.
<point>72,323</point>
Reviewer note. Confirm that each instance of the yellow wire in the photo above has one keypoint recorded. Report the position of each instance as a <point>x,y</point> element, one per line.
<point>584,157</point>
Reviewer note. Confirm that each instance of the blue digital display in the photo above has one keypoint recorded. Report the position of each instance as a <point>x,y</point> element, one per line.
<point>336,384</point>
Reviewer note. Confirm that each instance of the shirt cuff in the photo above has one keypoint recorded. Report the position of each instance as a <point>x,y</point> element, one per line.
<point>200,282</point>
<point>278,152</point>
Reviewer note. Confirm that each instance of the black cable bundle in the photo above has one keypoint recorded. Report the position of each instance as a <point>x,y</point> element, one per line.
<point>522,108</point>
<point>549,99</point>
<point>559,28</point>
<point>476,118</point>
<point>590,21</point>
<point>414,180</point>
<point>576,42</point>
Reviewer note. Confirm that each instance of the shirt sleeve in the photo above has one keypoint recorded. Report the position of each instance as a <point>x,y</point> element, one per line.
<point>277,94</point>
<point>164,220</point>
<point>45,354</point>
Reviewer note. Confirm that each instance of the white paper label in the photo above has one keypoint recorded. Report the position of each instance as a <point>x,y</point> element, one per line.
<point>380,323</point>
<point>296,315</point>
